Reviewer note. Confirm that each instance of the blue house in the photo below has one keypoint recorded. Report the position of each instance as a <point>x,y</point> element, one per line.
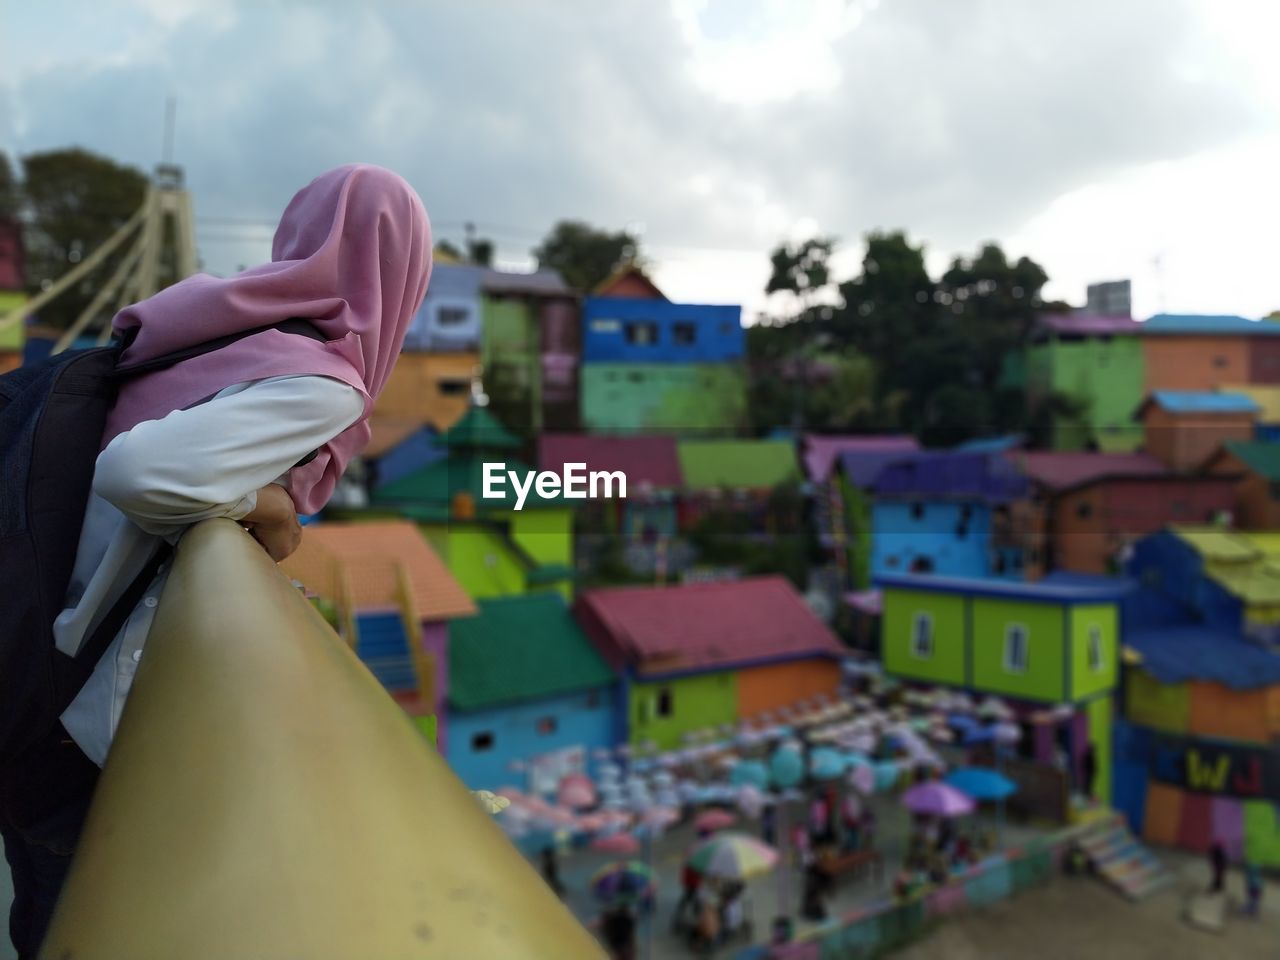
<point>632,330</point>
<point>947,513</point>
<point>450,317</point>
<point>529,697</point>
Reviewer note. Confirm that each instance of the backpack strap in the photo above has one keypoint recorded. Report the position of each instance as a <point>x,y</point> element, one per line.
<point>295,325</point>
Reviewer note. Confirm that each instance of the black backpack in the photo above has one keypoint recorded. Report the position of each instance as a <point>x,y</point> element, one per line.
<point>52,417</point>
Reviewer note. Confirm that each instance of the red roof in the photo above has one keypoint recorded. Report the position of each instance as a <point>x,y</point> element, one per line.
<point>1061,471</point>
<point>1089,324</point>
<point>650,460</point>
<point>704,626</point>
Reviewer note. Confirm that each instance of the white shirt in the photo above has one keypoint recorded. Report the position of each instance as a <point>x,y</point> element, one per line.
<point>153,482</point>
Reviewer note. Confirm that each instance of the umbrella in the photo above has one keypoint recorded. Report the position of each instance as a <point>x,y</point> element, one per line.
<point>624,881</point>
<point>1007,732</point>
<point>620,843</point>
<point>750,800</point>
<point>863,778</point>
<point>732,856</point>
<point>752,772</point>
<point>981,783</point>
<point>710,820</point>
<point>937,799</point>
<point>786,767</point>
<point>826,764</point>
<point>659,817</point>
<point>577,790</point>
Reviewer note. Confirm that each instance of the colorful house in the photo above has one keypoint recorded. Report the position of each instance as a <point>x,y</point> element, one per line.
<point>650,365</point>
<point>702,655</point>
<point>853,478</point>
<point>397,447</point>
<point>434,388</point>
<point>1088,509</point>
<point>947,513</point>
<point>1054,643</point>
<point>1254,468</point>
<point>392,599</point>
<point>1182,429</point>
<point>492,548</point>
<point>527,690</point>
<point>1098,362</point>
<point>1267,398</point>
<point>1202,352</point>
<point>739,476</point>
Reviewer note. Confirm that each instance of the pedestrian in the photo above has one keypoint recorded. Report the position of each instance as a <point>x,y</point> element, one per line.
<point>551,870</point>
<point>258,430</point>
<point>618,929</point>
<point>1252,889</point>
<point>690,881</point>
<point>769,824</point>
<point>812,906</point>
<point>707,928</point>
<point>1217,866</point>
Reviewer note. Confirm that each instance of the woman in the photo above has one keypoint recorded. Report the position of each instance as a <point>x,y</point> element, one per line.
<point>230,433</point>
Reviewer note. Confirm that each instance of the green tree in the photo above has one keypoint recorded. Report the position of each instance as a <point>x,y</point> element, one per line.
<point>9,194</point>
<point>802,269</point>
<point>74,201</point>
<point>583,254</point>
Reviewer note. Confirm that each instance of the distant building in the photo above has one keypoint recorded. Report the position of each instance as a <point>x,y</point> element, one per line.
<point>1254,471</point>
<point>1203,352</point>
<point>1112,298</point>
<point>1182,429</point>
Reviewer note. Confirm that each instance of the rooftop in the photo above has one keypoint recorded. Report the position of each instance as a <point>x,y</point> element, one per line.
<point>435,486</point>
<point>1088,324</point>
<point>1058,471</point>
<point>821,453</point>
<point>651,460</point>
<point>1072,588</point>
<point>524,647</point>
<point>945,473</point>
<point>708,626</point>
<point>1262,458</point>
<point>1207,324</point>
<point>1194,652</point>
<point>1198,401</point>
<point>478,429</point>
<point>737,464</point>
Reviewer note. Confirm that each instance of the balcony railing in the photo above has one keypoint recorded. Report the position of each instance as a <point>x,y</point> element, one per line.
<point>265,798</point>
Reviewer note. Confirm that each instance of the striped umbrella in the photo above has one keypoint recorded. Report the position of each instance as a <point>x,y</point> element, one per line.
<point>624,881</point>
<point>732,856</point>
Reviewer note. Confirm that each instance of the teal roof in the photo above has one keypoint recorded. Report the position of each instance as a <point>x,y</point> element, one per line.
<point>1208,324</point>
<point>479,429</point>
<point>1202,401</point>
<point>1261,458</point>
<point>521,648</point>
<point>431,490</point>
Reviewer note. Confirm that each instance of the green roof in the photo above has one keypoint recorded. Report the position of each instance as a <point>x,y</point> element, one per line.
<point>737,464</point>
<point>1261,458</point>
<point>1242,564</point>
<point>520,648</point>
<point>431,490</point>
<point>478,429</point>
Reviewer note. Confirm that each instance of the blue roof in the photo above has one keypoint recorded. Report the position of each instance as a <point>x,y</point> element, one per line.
<point>1197,323</point>
<point>1073,588</point>
<point>991,444</point>
<point>1203,401</point>
<point>947,473</point>
<point>1197,652</point>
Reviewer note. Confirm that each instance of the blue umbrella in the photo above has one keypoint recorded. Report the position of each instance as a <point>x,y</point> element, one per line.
<point>826,764</point>
<point>886,774</point>
<point>752,772</point>
<point>786,767</point>
<point>981,783</point>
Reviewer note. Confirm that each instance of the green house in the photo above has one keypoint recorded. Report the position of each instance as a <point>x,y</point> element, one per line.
<point>1053,642</point>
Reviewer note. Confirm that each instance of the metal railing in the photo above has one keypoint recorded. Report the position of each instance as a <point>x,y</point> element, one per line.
<point>265,798</point>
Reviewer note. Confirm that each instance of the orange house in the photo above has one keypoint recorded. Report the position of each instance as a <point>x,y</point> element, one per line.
<point>431,388</point>
<point>1200,352</point>
<point>1257,489</point>
<point>1184,428</point>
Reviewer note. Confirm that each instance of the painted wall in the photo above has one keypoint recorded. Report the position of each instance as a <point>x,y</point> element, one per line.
<point>687,398</point>
<point>1219,711</point>
<point>711,334</point>
<point>1194,362</point>
<point>1106,375</point>
<point>450,316</point>
<point>1154,705</point>
<point>857,523</point>
<point>952,537</point>
<point>1043,678</point>
<point>433,387</point>
<point>13,336</point>
<point>1264,360</point>
<point>512,363</point>
<point>697,701</point>
<point>480,559</point>
<point>1098,714</point>
<point>1091,678</point>
<point>768,688</point>
<point>1185,441</point>
<point>584,719</point>
<point>1253,507</point>
<point>947,664</point>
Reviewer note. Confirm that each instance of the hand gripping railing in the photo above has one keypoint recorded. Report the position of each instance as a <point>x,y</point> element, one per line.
<point>265,799</point>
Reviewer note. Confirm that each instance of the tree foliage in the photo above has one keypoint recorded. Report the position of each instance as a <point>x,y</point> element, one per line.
<point>585,255</point>
<point>9,195</point>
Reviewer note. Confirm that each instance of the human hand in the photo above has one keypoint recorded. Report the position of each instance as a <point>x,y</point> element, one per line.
<point>274,522</point>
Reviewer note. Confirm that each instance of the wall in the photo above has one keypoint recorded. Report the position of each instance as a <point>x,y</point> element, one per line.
<point>1085,681</point>
<point>1219,711</point>
<point>13,336</point>
<point>1106,375</point>
<point>1194,362</point>
<point>1253,507</point>
<point>1184,441</point>
<point>419,388</point>
<point>453,287</point>
<point>1044,677</point>
<point>698,701</point>
<point>1098,712</point>
<point>480,559</point>
<point>512,365</point>
<point>584,719</point>
<point>1155,705</point>
<point>435,650</point>
<point>948,662</point>
<point>687,398</point>
<point>1264,360</point>
<point>547,537</point>
<point>764,689</point>
<point>899,539</point>
<point>718,334</point>
<point>857,521</point>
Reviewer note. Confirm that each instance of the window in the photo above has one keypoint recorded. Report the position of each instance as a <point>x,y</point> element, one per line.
<point>966,513</point>
<point>666,704</point>
<point>1219,361</point>
<point>452,316</point>
<point>546,726</point>
<point>1084,509</point>
<point>1273,488</point>
<point>684,334</point>
<point>1015,648</point>
<point>917,511</point>
<point>922,636</point>
<point>480,742</point>
<point>593,699</point>
<point>606,326</point>
<point>453,388</point>
<point>1094,650</point>
<point>642,333</point>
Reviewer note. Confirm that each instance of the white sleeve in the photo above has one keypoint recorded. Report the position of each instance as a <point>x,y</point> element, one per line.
<point>211,459</point>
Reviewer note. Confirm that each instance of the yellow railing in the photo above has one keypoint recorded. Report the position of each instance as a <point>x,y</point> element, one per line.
<point>265,799</point>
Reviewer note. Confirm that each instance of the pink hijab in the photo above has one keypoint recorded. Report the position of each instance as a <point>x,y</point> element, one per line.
<point>352,254</point>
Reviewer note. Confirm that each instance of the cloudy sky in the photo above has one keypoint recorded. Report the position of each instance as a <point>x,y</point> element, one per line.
<point>1105,138</point>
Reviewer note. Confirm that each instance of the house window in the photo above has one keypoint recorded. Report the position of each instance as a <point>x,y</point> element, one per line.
<point>666,703</point>
<point>452,316</point>
<point>606,326</point>
<point>1273,488</point>
<point>1219,361</point>
<point>593,699</point>
<point>1015,648</point>
<point>453,388</point>
<point>1084,509</point>
<point>1094,650</point>
<point>546,726</point>
<point>684,334</point>
<point>922,636</point>
<point>482,741</point>
<point>641,333</point>
<point>917,511</point>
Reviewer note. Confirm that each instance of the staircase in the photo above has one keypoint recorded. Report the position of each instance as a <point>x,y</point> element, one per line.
<point>385,651</point>
<point>1122,861</point>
